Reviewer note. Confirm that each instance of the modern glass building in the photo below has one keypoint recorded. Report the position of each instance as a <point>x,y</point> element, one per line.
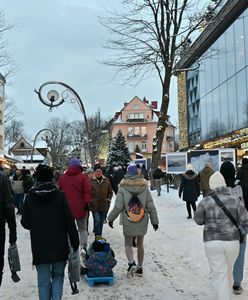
<point>213,94</point>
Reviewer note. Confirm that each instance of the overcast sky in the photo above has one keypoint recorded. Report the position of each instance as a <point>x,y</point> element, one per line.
<point>62,40</point>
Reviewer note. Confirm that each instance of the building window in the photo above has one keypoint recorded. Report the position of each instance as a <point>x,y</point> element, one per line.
<point>143,146</point>
<point>143,131</point>
<point>22,145</point>
<point>136,116</point>
<point>130,147</point>
<point>130,131</point>
<point>136,130</point>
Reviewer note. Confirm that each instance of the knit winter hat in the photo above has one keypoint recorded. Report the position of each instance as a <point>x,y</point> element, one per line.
<point>189,167</point>
<point>74,162</point>
<point>44,173</point>
<point>227,170</point>
<point>216,180</point>
<point>132,170</point>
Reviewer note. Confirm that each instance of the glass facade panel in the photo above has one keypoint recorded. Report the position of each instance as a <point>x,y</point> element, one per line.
<point>223,124</point>
<point>202,79</point>
<point>239,37</point>
<point>232,105</point>
<point>216,110</point>
<point>222,59</point>
<point>214,65</point>
<point>218,98</point>
<point>242,104</point>
<point>246,35</point>
<point>210,119</point>
<point>230,57</point>
<point>208,72</point>
<point>203,114</point>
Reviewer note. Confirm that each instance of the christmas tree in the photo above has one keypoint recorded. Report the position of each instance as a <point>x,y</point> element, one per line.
<point>118,153</point>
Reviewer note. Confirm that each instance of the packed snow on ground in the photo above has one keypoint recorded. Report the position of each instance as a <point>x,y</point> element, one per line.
<point>175,265</point>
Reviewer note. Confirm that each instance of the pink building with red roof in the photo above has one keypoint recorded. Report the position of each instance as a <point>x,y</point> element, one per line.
<point>138,122</point>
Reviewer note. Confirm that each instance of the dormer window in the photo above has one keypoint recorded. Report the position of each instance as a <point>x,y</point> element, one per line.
<point>136,116</point>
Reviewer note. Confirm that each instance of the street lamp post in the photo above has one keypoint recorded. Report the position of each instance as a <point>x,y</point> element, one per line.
<point>35,138</point>
<point>55,97</point>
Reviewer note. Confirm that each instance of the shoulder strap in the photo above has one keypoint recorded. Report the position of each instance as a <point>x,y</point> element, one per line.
<point>226,211</point>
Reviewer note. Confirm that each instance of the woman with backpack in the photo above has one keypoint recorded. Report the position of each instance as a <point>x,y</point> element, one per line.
<point>135,204</point>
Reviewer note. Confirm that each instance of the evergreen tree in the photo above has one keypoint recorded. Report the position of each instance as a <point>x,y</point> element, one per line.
<point>118,153</point>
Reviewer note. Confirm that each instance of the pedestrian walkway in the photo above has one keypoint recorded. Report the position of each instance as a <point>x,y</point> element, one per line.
<point>175,265</point>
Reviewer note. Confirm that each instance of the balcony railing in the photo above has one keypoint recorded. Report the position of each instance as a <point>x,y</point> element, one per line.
<point>136,120</point>
<point>135,136</point>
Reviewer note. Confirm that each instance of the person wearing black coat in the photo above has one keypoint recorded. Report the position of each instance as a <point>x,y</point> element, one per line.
<point>190,188</point>
<point>7,214</point>
<point>117,178</point>
<point>227,170</point>
<point>47,216</point>
<point>242,173</point>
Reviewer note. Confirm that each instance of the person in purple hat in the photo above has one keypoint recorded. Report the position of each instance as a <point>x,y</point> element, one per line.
<point>132,185</point>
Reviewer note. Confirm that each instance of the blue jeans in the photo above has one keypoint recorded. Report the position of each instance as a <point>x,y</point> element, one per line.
<point>50,280</point>
<point>98,218</point>
<point>18,199</point>
<point>238,268</point>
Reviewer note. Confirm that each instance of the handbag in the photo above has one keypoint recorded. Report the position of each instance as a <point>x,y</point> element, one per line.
<point>74,270</point>
<point>241,230</point>
<point>14,262</point>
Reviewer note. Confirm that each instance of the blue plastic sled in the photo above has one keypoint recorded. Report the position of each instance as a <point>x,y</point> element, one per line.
<point>92,280</point>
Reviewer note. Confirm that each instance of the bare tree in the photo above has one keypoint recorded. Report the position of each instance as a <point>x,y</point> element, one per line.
<point>13,131</point>
<point>10,110</point>
<point>148,37</point>
<point>79,135</point>
<point>7,64</point>
<point>61,141</point>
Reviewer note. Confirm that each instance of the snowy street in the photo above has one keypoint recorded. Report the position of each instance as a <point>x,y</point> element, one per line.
<point>175,265</point>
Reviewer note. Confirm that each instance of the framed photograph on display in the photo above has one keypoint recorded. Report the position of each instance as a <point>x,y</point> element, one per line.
<point>227,154</point>
<point>176,162</point>
<point>199,158</point>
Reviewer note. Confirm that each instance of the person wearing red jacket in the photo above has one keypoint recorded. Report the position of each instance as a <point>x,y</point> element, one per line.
<point>77,189</point>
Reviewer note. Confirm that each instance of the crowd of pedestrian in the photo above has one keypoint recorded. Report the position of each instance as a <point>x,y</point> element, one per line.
<point>56,206</point>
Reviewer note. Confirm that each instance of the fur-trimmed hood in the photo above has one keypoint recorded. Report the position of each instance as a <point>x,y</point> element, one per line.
<point>136,186</point>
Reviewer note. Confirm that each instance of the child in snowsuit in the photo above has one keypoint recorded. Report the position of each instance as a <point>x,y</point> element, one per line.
<point>99,260</point>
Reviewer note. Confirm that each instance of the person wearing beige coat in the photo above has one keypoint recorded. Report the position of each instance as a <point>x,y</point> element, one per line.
<point>133,184</point>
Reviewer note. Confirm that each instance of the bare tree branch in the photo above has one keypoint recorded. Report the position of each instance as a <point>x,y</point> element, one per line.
<point>10,110</point>
<point>148,36</point>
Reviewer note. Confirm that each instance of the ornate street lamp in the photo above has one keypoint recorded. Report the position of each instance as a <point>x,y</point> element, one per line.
<point>57,95</point>
<point>47,138</point>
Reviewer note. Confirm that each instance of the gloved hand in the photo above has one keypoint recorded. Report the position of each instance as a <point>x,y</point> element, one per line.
<point>155,227</point>
<point>111,224</point>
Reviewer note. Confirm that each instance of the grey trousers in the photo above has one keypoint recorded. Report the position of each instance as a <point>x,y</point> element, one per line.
<point>83,231</point>
<point>129,249</point>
